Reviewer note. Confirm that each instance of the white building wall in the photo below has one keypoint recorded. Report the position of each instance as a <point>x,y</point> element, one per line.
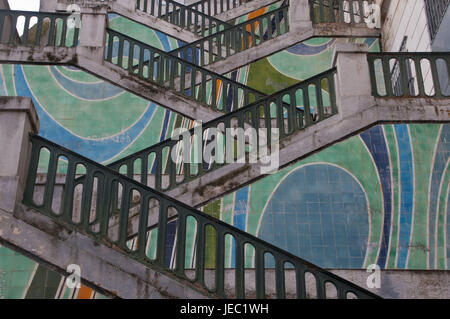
<point>407,18</point>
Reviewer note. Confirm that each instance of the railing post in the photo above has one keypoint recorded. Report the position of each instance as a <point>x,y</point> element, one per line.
<point>299,15</point>
<point>353,79</point>
<point>18,119</point>
<point>93,33</point>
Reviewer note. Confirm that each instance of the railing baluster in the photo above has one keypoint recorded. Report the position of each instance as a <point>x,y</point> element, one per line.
<point>123,218</point>
<point>162,234</point>
<point>200,252</point>
<point>181,243</point>
<point>32,173</point>
<point>86,198</point>
<point>50,183</point>
<point>320,285</point>
<point>239,269</point>
<point>279,278</point>
<point>220,262</point>
<point>435,76</point>
<point>300,281</point>
<point>106,208</point>
<point>25,30</point>
<point>420,79</point>
<point>260,280</point>
<point>142,232</point>
<point>12,33</point>
<point>68,192</point>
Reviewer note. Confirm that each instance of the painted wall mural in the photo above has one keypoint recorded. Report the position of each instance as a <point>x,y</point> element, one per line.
<point>379,197</point>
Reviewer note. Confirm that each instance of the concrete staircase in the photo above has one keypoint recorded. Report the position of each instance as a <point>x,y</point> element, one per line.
<point>347,104</point>
<point>117,258</point>
<point>177,80</point>
<point>211,42</point>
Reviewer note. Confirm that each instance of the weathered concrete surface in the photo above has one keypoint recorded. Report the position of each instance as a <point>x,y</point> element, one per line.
<point>394,284</point>
<point>101,266</point>
<point>403,284</point>
<point>18,119</point>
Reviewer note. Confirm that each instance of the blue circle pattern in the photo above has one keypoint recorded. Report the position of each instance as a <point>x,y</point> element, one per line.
<point>319,212</point>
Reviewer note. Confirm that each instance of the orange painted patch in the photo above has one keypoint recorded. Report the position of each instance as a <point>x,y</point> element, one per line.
<point>253,15</point>
<point>84,293</point>
<point>218,83</point>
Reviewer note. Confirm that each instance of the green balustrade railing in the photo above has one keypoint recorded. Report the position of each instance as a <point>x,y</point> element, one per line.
<point>93,217</point>
<point>237,38</point>
<point>215,7</point>
<point>340,11</point>
<point>288,110</point>
<point>39,29</point>
<point>410,75</point>
<point>151,64</point>
<point>182,16</point>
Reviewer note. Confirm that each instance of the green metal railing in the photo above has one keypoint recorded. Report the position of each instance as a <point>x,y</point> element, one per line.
<point>339,11</point>
<point>288,110</point>
<point>237,38</point>
<point>176,74</point>
<point>410,75</point>
<point>94,214</point>
<point>215,7</point>
<point>49,29</point>
<point>182,16</point>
